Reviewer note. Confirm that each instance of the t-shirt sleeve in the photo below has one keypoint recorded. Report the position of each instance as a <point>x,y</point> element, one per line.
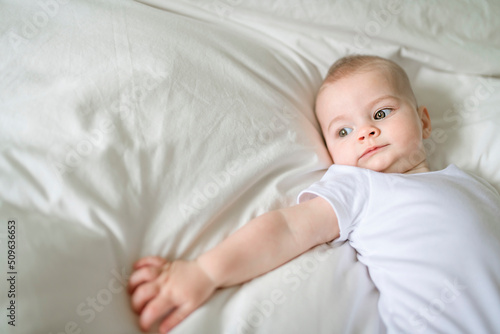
<point>347,189</point>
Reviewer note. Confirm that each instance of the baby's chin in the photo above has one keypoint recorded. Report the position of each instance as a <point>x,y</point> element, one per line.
<point>376,165</point>
<point>382,166</point>
<point>399,168</point>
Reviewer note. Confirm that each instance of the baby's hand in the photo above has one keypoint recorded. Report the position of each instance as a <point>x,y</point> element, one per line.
<point>167,290</point>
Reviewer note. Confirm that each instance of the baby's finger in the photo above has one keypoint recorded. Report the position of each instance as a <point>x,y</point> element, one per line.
<point>174,318</point>
<point>142,295</point>
<point>154,311</point>
<point>155,261</point>
<point>142,275</point>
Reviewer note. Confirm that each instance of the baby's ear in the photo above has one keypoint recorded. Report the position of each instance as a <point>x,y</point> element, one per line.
<point>426,121</point>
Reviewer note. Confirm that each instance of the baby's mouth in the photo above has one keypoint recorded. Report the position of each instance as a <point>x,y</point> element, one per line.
<point>371,150</point>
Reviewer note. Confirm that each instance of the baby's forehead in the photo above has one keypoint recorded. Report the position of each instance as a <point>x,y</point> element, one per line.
<point>396,79</point>
<point>352,81</point>
<point>383,73</point>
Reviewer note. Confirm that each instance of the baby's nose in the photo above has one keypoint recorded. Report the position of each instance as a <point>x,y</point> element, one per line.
<point>367,132</point>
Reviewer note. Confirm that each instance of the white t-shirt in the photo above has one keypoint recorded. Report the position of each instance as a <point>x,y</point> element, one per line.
<point>431,242</point>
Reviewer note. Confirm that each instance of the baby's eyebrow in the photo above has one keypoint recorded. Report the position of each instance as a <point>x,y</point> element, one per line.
<point>336,119</point>
<point>377,100</point>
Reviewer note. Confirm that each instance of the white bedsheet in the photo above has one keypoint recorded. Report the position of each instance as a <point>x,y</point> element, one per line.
<point>159,127</point>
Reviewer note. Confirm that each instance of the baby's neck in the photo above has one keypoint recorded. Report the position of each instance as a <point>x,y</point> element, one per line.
<point>420,168</point>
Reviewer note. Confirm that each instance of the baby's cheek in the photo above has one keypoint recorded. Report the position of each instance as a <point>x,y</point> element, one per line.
<point>344,160</point>
<point>342,153</point>
<point>336,156</point>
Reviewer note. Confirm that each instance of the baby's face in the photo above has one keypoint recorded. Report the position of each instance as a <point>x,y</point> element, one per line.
<point>367,122</point>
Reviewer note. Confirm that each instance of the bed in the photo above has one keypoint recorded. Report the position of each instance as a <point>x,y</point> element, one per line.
<point>155,127</point>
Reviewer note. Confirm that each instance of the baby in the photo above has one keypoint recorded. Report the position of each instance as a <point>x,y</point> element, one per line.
<point>430,240</point>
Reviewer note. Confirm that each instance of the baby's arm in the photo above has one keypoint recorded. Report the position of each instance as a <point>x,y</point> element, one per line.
<point>269,241</point>
<point>263,244</point>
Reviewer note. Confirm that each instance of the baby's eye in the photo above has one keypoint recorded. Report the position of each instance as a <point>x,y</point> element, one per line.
<point>382,113</point>
<point>344,132</point>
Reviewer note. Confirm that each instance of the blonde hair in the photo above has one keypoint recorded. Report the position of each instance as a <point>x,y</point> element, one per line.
<point>352,64</point>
